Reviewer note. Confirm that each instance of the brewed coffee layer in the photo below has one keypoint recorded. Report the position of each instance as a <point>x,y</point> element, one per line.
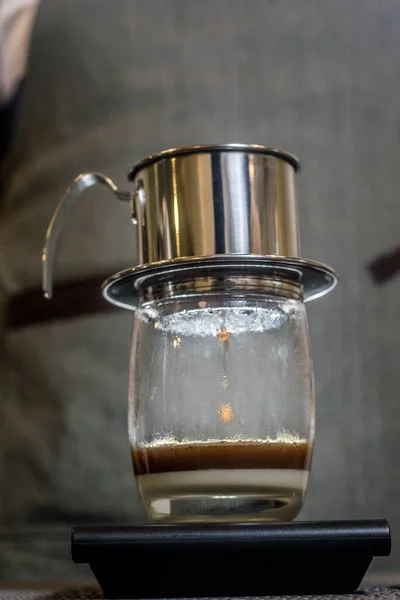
<point>196,456</point>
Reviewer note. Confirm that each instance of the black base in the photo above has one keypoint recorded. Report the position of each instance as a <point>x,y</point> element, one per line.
<point>172,561</point>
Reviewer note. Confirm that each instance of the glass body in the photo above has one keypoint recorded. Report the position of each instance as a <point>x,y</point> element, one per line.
<point>221,405</point>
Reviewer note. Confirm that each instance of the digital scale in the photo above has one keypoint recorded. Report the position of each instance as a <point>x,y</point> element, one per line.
<point>238,560</point>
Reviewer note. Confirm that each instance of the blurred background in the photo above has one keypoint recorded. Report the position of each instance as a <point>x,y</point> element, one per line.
<point>107,83</point>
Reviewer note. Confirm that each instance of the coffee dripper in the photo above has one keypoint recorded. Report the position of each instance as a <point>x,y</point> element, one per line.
<point>221,395</point>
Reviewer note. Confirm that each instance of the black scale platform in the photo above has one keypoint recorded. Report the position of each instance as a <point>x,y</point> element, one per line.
<point>175,561</point>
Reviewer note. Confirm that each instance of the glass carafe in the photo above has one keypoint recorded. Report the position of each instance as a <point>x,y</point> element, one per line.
<point>221,400</point>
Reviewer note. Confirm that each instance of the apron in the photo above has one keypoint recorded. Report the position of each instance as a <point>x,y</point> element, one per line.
<point>107,87</point>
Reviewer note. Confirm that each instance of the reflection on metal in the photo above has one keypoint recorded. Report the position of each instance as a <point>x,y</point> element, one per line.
<point>217,200</point>
<point>177,225</point>
<point>288,276</point>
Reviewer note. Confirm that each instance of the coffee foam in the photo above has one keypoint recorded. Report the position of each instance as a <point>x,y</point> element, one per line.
<point>207,322</point>
<point>283,437</point>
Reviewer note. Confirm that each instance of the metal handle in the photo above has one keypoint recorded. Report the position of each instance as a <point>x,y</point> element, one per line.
<point>81,183</point>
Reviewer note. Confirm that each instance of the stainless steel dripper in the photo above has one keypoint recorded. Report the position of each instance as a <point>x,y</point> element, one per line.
<point>206,207</point>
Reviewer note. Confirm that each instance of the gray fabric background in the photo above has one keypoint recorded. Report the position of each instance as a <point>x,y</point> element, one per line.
<point>110,82</point>
<point>92,593</point>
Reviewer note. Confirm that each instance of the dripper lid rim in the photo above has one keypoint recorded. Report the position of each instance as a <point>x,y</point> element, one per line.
<point>204,148</point>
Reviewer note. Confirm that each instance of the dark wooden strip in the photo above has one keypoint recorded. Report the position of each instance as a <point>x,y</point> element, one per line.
<point>71,300</point>
<point>386,266</point>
